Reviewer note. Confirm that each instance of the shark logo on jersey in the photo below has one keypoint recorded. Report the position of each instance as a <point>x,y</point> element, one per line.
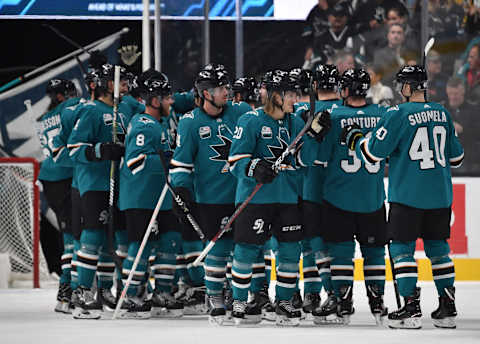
<point>276,151</point>
<point>222,150</point>
<point>107,118</point>
<point>145,120</point>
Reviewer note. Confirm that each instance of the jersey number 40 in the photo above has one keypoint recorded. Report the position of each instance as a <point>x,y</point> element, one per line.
<point>420,147</point>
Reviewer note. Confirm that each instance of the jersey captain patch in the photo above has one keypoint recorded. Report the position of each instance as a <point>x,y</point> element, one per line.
<point>222,150</point>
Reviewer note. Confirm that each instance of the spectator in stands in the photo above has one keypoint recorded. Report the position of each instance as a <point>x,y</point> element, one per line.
<point>316,24</point>
<point>343,60</point>
<point>465,120</point>
<point>437,80</point>
<point>339,35</point>
<point>472,25</point>
<point>374,12</point>
<point>394,55</point>
<point>470,72</point>
<point>377,38</point>
<point>378,93</point>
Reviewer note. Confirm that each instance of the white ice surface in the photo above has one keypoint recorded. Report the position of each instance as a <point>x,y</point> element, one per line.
<point>26,316</point>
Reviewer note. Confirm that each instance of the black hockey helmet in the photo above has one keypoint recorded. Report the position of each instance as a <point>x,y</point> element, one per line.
<point>211,78</point>
<point>280,81</point>
<point>214,66</point>
<point>60,86</point>
<point>356,80</point>
<point>247,87</point>
<point>415,76</point>
<point>326,76</point>
<point>155,85</point>
<point>107,73</point>
<point>92,76</point>
<point>303,78</point>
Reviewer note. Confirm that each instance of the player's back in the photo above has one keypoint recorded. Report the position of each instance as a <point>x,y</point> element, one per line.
<point>351,184</point>
<point>424,143</point>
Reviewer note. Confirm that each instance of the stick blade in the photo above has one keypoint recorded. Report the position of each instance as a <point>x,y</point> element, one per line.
<point>429,45</point>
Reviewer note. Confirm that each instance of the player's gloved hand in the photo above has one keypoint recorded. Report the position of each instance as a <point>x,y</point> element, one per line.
<point>261,170</point>
<point>350,135</point>
<point>321,124</point>
<point>183,197</point>
<point>105,151</point>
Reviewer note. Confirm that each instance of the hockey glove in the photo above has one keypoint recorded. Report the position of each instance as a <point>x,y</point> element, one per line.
<point>129,54</point>
<point>261,170</point>
<point>321,124</point>
<point>182,201</point>
<point>350,135</point>
<point>105,151</point>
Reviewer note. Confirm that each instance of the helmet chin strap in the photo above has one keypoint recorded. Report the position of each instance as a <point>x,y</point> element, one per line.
<point>275,103</point>
<point>219,107</point>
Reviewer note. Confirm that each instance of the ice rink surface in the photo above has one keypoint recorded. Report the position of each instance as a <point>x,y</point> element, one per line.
<point>27,316</point>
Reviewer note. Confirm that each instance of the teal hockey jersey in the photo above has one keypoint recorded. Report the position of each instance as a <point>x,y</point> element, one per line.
<point>258,135</point>
<point>93,126</point>
<point>51,125</point>
<point>420,141</point>
<point>200,160</point>
<point>142,175</point>
<point>350,183</point>
<point>314,176</point>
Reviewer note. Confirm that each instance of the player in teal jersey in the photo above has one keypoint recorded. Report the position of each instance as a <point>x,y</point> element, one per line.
<point>56,180</point>
<point>91,149</point>
<point>419,138</point>
<point>200,174</point>
<point>60,155</point>
<point>141,180</point>
<point>246,90</point>
<point>260,138</point>
<point>316,260</point>
<point>344,218</point>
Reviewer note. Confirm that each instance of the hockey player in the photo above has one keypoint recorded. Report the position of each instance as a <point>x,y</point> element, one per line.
<point>316,261</point>
<point>203,143</point>
<point>419,138</point>
<point>141,181</point>
<point>91,149</point>
<point>246,90</point>
<point>56,181</point>
<point>347,180</point>
<point>260,138</point>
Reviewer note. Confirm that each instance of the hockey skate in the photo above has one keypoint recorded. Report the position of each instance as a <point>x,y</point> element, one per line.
<point>327,312</point>
<point>377,307</point>
<point>345,304</point>
<point>164,305</point>
<point>64,296</point>
<point>268,312</point>
<point>106,299</point>
<point>311,301</point>
<point>409,316</point>
<point>444,315</point>
<point>194,301</point>
<point>287,314</point>
<point>238,312</point>
<point>217,311</point>
<point>134,307</point>
<point>86,306</point>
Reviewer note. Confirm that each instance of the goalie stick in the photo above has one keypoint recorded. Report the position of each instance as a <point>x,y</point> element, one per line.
<point>276,166</point>
<point>179,200</point>
<point>140,250</point>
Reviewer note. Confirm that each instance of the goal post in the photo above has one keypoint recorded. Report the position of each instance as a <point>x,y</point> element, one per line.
<point>20,217</point>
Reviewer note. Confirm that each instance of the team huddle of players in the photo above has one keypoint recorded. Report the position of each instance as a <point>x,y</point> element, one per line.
<point>223,147</point>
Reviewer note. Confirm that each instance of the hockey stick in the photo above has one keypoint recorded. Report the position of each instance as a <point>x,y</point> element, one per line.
<point>276,167</point>
<point>395,284</point>
<point>179,200</point>
<point>111,199</point>
<point>426,50</point>
<point>140,251</point>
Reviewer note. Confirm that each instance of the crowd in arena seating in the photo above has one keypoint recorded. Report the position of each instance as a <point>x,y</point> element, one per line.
<point>382,35</point>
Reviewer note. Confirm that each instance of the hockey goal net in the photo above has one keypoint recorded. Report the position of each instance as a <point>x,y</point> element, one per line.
<point>19,219</point>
